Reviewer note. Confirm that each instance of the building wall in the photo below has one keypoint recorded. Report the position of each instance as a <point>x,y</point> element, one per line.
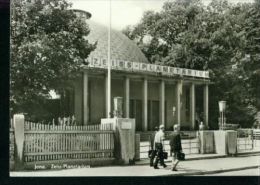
<point>78,101</point>
<point>153,91</point>
<point>136,89</point>
<point>117,89</point>
<point>96,100</point>
<point>170,95</point>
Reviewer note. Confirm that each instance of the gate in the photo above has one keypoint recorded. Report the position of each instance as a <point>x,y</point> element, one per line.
<point>256,137</point>
<point>245,139</point>
<point>189,139</point>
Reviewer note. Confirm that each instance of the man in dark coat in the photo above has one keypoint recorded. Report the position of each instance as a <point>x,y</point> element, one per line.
<point>175,144</point>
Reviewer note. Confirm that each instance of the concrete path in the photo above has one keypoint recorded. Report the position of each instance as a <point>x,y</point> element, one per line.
<point>248,172</point>
<point>189,167</point>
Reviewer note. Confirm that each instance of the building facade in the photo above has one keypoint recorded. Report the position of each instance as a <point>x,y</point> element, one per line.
<point>150,92</point>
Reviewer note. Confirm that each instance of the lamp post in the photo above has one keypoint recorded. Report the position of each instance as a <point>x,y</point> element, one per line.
<point>109,66</point>
<point>222,109</point>
<point>173,113</point>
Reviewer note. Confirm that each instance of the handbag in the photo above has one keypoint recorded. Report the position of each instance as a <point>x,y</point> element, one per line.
<point>165,155</point>
<point>180,156</point>
<point>150,152</point>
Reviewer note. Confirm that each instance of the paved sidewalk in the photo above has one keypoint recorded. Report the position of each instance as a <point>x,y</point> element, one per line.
<point>206,156</point>
<point>190,167</point>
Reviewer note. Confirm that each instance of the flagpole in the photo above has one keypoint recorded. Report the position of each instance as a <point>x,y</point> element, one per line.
<point>109,66</point>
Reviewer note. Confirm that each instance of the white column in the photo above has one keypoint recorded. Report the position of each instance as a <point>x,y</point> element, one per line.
<point>85,99</point>
<point>145,104</point>
<point>108,97</point>
<point>162,102</point>
<point>127,97</point>
<point>192,105</point>
<point>178,102</point>
<point>206,104</point>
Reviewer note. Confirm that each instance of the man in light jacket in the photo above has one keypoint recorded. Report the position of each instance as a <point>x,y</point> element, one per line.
<point>158,143</point>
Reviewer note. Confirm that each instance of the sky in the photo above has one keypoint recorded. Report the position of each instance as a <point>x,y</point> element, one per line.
<point>123,12</point>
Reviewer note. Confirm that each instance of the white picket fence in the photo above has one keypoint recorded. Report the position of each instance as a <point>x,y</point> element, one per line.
<point>62,142</point>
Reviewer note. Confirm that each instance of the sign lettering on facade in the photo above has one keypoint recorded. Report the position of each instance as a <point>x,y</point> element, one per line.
<point>143,67</point>
<point>96,62</point>
<point>104,62</point>
<point>136,66</point>
<point>128,65</point>
<point>151,67</point>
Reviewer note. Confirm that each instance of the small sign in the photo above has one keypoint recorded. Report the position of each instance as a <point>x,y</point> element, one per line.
<point>126,125</point>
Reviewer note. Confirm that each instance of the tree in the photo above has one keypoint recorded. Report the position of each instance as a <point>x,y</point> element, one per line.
<point>251,62</point>
<point>215,37</point>
<point>48,46</point>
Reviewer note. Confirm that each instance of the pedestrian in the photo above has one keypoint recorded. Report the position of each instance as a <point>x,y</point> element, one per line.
<point>158,143</point>
<point>175,144</point>
<point>153,153</point>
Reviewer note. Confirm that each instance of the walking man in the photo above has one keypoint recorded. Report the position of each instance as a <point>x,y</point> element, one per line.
<point>175,144</point>
<point>158,143</point>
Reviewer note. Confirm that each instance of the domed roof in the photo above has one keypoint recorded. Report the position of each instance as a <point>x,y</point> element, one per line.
<point>122,48</point>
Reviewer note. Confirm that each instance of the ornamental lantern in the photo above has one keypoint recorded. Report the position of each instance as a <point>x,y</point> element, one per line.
<point>222,106</point>
<point>222,119</point>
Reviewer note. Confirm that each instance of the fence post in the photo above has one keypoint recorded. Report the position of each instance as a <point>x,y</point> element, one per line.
<point>124,147</point>
<point>19,141</point>
<point>252,137</point>
<point>206,142</point>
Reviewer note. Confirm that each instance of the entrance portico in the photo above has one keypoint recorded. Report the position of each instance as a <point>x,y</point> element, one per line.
<point>147,98</point>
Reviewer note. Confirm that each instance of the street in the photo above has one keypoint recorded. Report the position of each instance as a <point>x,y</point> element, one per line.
<point>248,172</point>
<point>193,167</point>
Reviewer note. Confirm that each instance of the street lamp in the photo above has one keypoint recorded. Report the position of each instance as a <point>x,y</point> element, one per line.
<point>222,109</point>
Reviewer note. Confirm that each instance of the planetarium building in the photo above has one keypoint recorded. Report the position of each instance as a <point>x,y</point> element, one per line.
<point>152,94</point>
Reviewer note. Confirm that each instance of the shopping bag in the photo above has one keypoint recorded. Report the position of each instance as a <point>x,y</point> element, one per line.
<point>150,152</point>
<point>180,156</point>
<point>165,155</point>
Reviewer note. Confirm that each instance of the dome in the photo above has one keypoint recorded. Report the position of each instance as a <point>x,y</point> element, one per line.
<point>122,48</point>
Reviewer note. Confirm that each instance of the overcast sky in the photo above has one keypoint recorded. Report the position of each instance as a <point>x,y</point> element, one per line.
<point>124,12</point>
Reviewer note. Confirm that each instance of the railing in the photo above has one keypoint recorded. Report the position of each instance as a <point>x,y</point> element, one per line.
<point>190,143</point>
<point>245,140</point>
<point>256,137</point>
<point>53,142</point>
